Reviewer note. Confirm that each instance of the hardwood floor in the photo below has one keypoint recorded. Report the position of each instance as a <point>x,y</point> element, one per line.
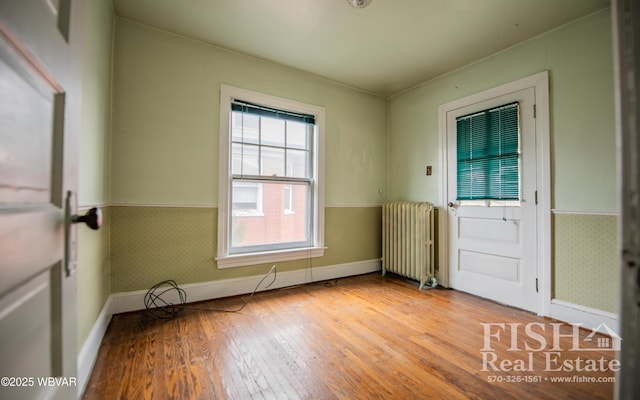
<point>364,337</point>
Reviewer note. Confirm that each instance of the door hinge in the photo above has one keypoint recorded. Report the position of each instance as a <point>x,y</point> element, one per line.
<point>536,197</point>
<point>536,285</point>
<point>534,111</point>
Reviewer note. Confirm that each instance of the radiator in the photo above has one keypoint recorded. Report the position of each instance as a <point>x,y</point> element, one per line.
<point>407,240</point>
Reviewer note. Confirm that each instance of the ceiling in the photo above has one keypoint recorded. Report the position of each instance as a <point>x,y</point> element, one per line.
<point>388,47</point>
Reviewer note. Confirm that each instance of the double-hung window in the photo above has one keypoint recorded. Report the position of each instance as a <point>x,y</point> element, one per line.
<point>270,181</point>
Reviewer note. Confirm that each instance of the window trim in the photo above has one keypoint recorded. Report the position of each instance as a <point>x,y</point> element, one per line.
<point>226,260</point>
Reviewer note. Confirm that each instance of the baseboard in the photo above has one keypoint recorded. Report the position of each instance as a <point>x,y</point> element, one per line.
<point>89,352</point>
<point>134,301</point>
<point>586,317</point>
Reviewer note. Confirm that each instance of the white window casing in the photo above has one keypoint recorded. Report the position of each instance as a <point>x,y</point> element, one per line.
<point>227,258</point>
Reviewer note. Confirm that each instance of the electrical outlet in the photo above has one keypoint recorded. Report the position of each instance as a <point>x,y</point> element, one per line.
<point>429,170</point>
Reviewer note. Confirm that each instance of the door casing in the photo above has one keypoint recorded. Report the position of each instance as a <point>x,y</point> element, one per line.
<point>540,83</point>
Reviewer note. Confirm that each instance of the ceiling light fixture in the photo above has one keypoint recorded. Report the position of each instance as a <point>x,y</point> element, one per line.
<point>358,3</point>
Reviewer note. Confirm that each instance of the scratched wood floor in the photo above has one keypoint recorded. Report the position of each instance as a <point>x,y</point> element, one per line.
<point>364,337</point>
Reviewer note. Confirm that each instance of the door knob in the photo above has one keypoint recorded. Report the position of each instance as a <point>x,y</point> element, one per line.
<point>451,204</point>
<point>93,218</point>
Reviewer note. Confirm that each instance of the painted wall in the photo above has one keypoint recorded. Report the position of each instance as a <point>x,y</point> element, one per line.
<point>93,187</point>
<point>585,246</point>
<point>164,166</point>
<point>579,58</point>
<point>165,121</point>
<point>151,244</point>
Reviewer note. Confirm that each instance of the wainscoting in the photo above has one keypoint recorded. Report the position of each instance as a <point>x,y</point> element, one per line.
<point>585,259</point>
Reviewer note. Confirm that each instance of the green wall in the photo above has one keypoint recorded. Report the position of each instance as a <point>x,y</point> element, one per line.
<point>165,120</point>
<point>151,244</point>
<point>584,248</point>
<point>164,168</point>
<point>93,184</point>
<point>579,59</point>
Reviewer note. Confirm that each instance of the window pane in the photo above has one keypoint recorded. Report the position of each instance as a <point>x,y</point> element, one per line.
<point>298,135</point>
<point>297,163</point>
<point>272,131</point>
<point>504,179</point>
<point>288,199</point>
<point>244,159</point>
<point>283,218</point>
<point>245,127</point>
<point>245,197</point>
<point>272,161</point>
<point>488,154</point>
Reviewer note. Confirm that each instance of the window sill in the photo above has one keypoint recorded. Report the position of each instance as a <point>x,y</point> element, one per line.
<point>266,257</point>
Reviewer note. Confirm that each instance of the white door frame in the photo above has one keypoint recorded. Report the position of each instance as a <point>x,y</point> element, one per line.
<point>540,83</point>
<point>626,49</point>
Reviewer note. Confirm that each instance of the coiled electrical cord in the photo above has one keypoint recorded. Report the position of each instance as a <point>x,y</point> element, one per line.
<point>161,309</point>
<point>158,307</point>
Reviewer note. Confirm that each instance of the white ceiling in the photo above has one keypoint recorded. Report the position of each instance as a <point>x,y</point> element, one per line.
<point>385,48</point>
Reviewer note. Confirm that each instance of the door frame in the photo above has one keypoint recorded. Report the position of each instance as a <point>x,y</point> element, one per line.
<point>540,83</point>
<point>626,52</point>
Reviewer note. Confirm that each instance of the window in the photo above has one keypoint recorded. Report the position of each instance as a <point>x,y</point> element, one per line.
<point>247,198</point>
<point>488,155</point>
<point>288,199</point>
<point>270,182</point>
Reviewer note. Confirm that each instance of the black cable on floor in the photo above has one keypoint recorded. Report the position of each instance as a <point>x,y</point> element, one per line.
<point>160,308</point>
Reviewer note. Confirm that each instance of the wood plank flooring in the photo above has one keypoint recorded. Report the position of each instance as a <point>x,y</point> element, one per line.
<point>364,337</point>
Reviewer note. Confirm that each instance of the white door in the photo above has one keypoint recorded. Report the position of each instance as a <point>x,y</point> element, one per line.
<point>492,243</point>
<point>37,285</point>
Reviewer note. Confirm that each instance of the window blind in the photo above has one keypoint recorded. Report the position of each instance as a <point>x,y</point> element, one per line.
<point>488,154</point>
<point>256,109</point>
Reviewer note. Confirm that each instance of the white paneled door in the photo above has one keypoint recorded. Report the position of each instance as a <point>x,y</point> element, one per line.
<point>37,282</point>
<point>492,240</point>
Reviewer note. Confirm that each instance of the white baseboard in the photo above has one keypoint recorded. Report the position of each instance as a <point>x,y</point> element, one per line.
<point>89,352</point>
<point>586,317</point>
<point>134,301</point>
